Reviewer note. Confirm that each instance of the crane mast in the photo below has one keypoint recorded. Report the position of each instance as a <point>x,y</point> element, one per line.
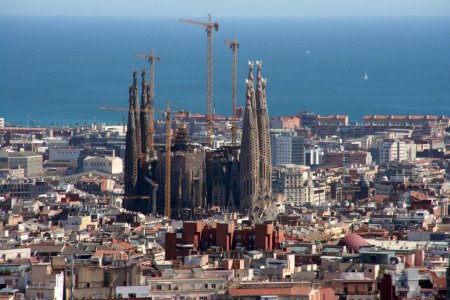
<point>209,32</point>
<point>234,45</point>
<point>168,161</point>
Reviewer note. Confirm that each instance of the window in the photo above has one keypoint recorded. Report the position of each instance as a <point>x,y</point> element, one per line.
<point>158,287</point>
<point>213,285</point>
<point>206,285</point>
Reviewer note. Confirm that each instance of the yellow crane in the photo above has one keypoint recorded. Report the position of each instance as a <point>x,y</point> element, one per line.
<point>209,31</point>
<point>234,45</point>
<point>168,160</point>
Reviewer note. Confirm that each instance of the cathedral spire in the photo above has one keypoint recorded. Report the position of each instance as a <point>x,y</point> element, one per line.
<point>144,115</point>
<point>131,152</point>
<point>264,138</point>
<point>136,114</point>
<point>249,163</point>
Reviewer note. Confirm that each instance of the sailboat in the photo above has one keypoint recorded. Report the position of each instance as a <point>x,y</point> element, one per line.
<point>365,77</point>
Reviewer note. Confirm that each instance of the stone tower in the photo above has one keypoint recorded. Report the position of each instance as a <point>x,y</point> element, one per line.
<point>249,158</point>
<point>144,115</point>
<point>255,161</point>
<point>131,150</point>
<point>264,149</point>
<point>137,118</point>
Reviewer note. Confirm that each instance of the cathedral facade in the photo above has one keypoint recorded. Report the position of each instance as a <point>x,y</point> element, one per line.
<point>255,156</point>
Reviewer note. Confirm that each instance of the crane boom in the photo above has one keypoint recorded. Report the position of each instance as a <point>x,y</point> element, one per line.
<point>117,108</point>
<point>209,31</point>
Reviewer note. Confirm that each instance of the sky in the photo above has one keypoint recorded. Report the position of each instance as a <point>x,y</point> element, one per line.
<point>227,8</point>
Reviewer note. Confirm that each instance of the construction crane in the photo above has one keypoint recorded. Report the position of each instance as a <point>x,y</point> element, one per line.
<point>234,45</point>
<point>209,31</point>
<point>151,58</point>
<point>168,160</point>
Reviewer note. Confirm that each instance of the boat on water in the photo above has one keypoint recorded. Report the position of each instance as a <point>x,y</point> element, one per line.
<point>308,52</point>
<point>365,77</point>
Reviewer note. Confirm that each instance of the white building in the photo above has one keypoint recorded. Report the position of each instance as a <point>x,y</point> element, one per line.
<point>63,154</point>
<point>15,253</point>
<point>396,150</point>
<point>107,164</point>
<point>135,291</point>
<point>2,122</point>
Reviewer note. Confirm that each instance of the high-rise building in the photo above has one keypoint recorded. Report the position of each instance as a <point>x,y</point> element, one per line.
<point>287,148</point>
<point>255,158</point>
<point>281,149</point>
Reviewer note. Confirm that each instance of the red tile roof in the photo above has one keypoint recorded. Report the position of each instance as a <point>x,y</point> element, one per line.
<point>273,291</point>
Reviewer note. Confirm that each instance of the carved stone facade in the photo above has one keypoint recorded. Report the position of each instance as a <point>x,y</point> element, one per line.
<point>255,158</point>
<point>187,184</point>
<point>222,178</point>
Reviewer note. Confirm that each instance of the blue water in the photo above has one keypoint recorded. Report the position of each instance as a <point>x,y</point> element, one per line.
<point>55,70</point>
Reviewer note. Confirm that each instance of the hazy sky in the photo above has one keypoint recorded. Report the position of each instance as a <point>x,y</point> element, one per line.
<point>227,8</point>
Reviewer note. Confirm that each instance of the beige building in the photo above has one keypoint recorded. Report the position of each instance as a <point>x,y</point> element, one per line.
<point>107,164</point>
<point>294,182</point>
<point>45,283</point>
<point>78,223</point>
<point>189,284</point>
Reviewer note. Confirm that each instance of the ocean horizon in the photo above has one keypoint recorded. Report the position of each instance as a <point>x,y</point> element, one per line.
<point>58,71</point>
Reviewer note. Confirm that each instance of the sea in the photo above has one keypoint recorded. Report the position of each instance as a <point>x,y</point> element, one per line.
<point>59,71</point>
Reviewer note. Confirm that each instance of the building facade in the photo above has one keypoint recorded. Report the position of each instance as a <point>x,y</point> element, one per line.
<point>29,161</point>
<point>107,164</point>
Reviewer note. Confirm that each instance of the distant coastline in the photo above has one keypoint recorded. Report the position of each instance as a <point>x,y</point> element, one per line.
<point>61,69</point>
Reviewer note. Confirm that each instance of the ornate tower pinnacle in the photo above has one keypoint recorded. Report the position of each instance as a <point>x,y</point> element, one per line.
<point>249,184</point>
<point>264,138</point>
<point>144,115</point>
<point>136,115</point>
<point>131,152</point>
